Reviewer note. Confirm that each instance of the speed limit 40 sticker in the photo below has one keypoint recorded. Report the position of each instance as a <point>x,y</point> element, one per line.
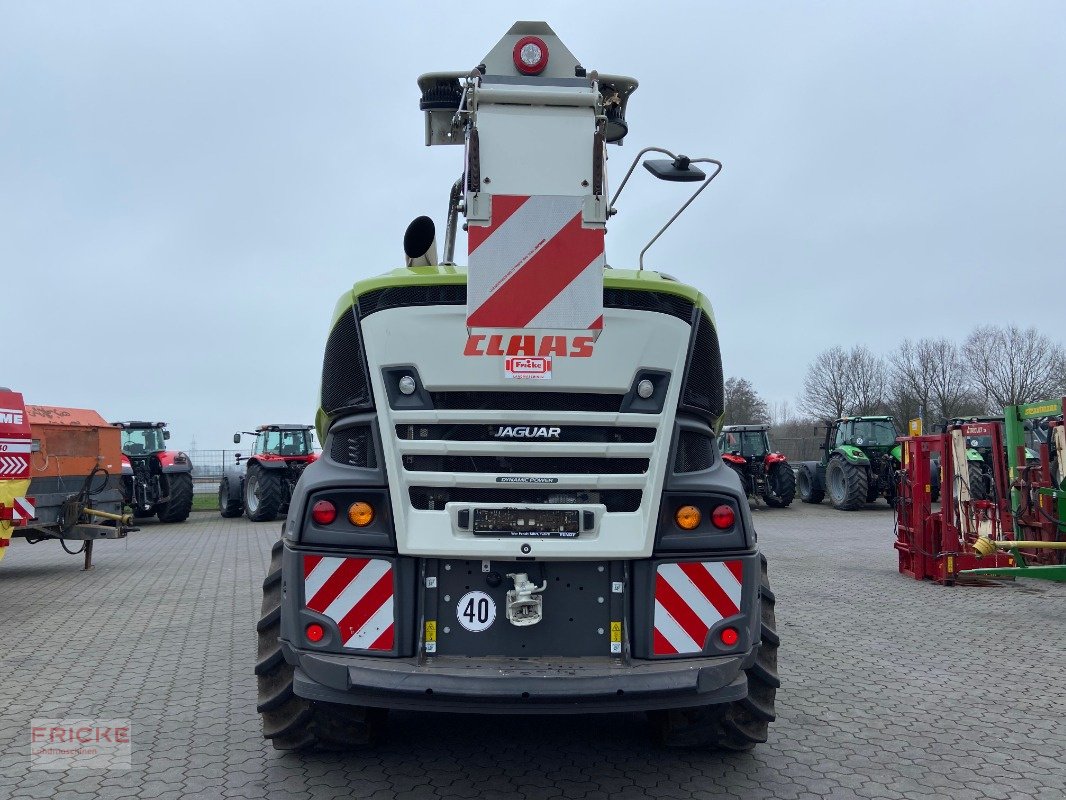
<point>476,611</point>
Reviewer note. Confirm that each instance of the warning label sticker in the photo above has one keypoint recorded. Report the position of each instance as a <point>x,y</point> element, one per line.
<point>528,368</point>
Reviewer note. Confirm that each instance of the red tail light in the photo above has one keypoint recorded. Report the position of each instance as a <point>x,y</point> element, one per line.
<point>530,55</point>
<point>729,636</point>
<point>323,512</point>
<point>723,517</point>
<point>315,632</point>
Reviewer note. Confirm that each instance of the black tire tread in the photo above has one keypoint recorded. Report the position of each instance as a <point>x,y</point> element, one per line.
<point>781,473</point>
<point>736,726</point>
<point>291,722</point>
<point>812,495</point>
<point>178,507</point>
<point>270,493</point>
<point>856,484</point>
<point>227,506</point>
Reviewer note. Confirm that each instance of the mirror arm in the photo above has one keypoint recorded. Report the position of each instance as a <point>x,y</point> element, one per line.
<point>669,222</point>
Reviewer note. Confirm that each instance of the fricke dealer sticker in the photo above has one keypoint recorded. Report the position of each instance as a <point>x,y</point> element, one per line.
<point>528,368</point>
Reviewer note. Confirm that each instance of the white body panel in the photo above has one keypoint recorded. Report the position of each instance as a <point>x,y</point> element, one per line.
<point>433,340</point>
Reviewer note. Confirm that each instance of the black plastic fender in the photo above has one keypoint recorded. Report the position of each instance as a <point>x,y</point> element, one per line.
<point>268,463</point>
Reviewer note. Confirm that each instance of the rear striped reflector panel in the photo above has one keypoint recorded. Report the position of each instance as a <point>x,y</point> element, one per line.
<point>690,598</point>
<point>357,594</point>
<point>535,266</point>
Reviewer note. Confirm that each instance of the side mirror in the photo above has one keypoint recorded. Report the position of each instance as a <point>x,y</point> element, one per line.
<point>236,438</point>
<point>679,170</point>
<point>166,435</point>
<point>237,456</point>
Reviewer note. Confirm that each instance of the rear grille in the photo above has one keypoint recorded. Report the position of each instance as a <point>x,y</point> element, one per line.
<point>525,401</point>
<point>426,498</point>
<point>344,379</point>
<point>566,465</point>
<point>704,389</point>
<point>354,446</point>
<point>634,299</point>
<point>638,300</point>
<point>401,296</point>
<point>694,452</point>
<point>488,433</point>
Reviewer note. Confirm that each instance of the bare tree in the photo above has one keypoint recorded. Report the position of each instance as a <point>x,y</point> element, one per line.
<point>869,381</point>
<point>743,404</point>
<point>827,387</point>
<point>911,381</point>
<point>1012,365</point>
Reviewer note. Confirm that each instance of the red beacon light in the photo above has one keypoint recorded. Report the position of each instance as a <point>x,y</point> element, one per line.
<point>530,55</point>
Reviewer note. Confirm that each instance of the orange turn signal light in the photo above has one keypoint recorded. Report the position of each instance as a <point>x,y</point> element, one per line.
<point>687,518</point>
<point>360,514</point>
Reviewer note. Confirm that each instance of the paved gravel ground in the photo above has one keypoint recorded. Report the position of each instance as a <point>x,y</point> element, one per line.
<point>892,688</point>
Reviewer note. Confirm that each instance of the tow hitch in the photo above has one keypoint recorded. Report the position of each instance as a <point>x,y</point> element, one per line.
<point>525,606</point>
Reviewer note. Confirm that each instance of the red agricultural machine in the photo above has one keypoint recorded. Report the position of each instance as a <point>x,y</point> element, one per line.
<point>262,487</point>
<point>155,481</point>
<point>1016,530</point>
<point>764,473</point>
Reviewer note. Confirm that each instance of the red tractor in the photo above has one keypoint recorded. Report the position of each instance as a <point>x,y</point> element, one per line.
<point>155,481</point>
<point>763,472</point>
<point>262,488</point>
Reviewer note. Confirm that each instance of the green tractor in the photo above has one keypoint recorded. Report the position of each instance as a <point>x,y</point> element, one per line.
<point>858,465</point>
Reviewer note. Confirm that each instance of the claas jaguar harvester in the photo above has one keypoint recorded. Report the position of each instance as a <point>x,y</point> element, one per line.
<point>521,507</point>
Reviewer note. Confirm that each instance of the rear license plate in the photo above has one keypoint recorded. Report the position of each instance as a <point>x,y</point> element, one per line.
<point>526,522</point>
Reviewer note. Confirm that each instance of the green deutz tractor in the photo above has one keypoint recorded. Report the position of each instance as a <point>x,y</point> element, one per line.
<point>858,465</point>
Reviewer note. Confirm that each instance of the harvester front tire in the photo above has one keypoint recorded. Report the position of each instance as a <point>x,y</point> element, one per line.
<point>736,726</point>
<point>262,494</point>
<point>848,484</point>
<point>177,508</point>
<point>781,481</point>
<point>228,507</point>
<point>805,487</point>
<point>291,722</point>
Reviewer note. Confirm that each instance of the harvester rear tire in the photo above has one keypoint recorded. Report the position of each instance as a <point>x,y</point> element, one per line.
<point>781,481</point>
<point>848,484</point>
<point>733,726</point>
<point>228,507</point>
<point>805,487</point>
<point>177,508</point>
<point>291,722</point>
<point>263,493</point>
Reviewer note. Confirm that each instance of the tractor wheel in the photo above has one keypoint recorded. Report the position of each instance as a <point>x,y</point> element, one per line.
<point>291,722</point>
<point>741,473</point>
<point>805,487</point>
<point>262,494</point>
<point>177,508</point>
<point>228,507</point>
<point>781,485</point>
<point>978,481</point>
<point>739,725</point>
<point>847,484</point>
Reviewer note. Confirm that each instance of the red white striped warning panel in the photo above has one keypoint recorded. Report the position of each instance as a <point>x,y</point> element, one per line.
<point>535,266</point>
<point>24,509</point>
<point>690,598</point>
<point>357,594</point>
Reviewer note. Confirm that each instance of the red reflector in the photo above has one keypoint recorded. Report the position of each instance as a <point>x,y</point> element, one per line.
<point>729,636</point>
<point>323,512</point>
<point>530,55</point>
<point>315,632</point>
<point>723,517</point>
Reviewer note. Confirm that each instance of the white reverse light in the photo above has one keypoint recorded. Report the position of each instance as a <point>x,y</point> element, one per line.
<point>407,385</point>
<point>645,389</point>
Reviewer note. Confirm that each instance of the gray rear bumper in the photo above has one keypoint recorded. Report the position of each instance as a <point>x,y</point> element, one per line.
<point>520,685</point>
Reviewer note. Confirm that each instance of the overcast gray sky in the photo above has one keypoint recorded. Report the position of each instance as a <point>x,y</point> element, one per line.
<point>186,188</point>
